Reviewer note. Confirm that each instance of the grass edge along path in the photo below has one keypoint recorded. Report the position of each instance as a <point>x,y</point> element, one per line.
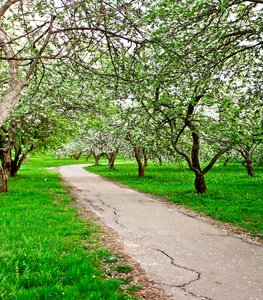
<point>47,251</point>
<point>233,198</point>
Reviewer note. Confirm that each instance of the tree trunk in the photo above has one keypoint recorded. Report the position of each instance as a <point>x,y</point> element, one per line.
<point>21,158</point>
<point>88,157</point>
<point>9,99</point>
<point>137,152</point>
<point>3,181</point>
<point>77,156</point>
<point>200,185</point>
<point>98,157</point>
<point>6,145</point>
<point>141,170</point>
<point>249,166</point>
<point>5,170</point>
<point>111,164</point>
<point>112,157</point>
<point>17,162</point>
<point>226,161</point>
<point>16,165</point>
<point>141,166</point>
<point>250,169</point>
<point>5,157</point>
<point>14,173</point>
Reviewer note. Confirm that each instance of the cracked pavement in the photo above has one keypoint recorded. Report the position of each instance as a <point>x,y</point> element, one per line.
<point>189,258</point>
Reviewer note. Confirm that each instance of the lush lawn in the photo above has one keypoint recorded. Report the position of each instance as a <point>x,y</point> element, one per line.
<point>233,196</point>
<point>46,250</point>
<point>49,161</point>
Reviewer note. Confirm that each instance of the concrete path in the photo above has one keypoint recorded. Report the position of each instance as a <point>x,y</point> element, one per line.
<point>189,258</point>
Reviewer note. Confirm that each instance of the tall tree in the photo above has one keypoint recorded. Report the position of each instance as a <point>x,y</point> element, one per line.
<point>197,52</point>
<point>33,32</point>
<point>17,77</point>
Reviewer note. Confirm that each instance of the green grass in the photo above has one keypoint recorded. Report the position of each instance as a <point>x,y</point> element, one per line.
<point>233,196</point>
<point>50,161</point>
<point>123,268</point>
<point>46,250</point>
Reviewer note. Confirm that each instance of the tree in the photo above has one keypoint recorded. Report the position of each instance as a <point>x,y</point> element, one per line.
<point>73,148</point>
<point>139,152</point>
<point>52,113</point>
<point>246,130</point>
<point>249,130</point>
<point>17,81</point>
<point>195,57</point>
<point>106,142</point>
<point>33,31</point>
<point>174,59</point>
<point>6,144</point>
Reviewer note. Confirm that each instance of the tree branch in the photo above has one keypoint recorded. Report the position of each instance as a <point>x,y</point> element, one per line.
<point>215,158</point>
<point>49,33</point>
<point>6,5</point>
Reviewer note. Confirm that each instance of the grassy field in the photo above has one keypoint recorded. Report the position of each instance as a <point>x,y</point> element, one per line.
<point>233,196</point>
<point>46,250</point>
<point>46,161</point>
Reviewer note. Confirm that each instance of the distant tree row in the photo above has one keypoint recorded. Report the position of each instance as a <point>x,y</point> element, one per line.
<point>169,78</point>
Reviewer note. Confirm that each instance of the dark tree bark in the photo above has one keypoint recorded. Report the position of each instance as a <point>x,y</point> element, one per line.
<point>249,166</point>
<point>5,157</point>
<point>21,157</point>
<point>200,185</point>
<point>89,156</point>
<point>97,157</point>
<point>139,151</point>
<point>17,161</point>
<point>111,158</point>
<point>5,169</point>
<point>247,153</point>
<point>226,161</point>
<point>193,160</point>
<point>141,165</point>
<point>3,181</point>
<point>16,165</point>
<point>77,156</point>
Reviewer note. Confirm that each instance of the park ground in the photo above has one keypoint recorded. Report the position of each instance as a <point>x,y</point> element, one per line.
<point>37,209</point>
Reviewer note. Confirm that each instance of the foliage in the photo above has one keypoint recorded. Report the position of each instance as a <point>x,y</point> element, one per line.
<point>82,32</point>
<point>191,77</point>
<point>181,77</point>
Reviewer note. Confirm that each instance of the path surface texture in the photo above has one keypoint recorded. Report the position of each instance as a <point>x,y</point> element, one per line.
<point>188,257</point>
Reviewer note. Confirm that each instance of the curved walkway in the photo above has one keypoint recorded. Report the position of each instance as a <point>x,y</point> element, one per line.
<point>189,258</point>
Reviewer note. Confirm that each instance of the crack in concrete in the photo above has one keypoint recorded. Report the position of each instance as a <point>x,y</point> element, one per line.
<point>94,206</point>
<point>99,198</point>
<point>244,240</point>
<point>183,286</point>
<point>116,216</point>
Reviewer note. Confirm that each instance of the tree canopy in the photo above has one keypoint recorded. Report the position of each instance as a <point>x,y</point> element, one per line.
<point>182,78</point>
